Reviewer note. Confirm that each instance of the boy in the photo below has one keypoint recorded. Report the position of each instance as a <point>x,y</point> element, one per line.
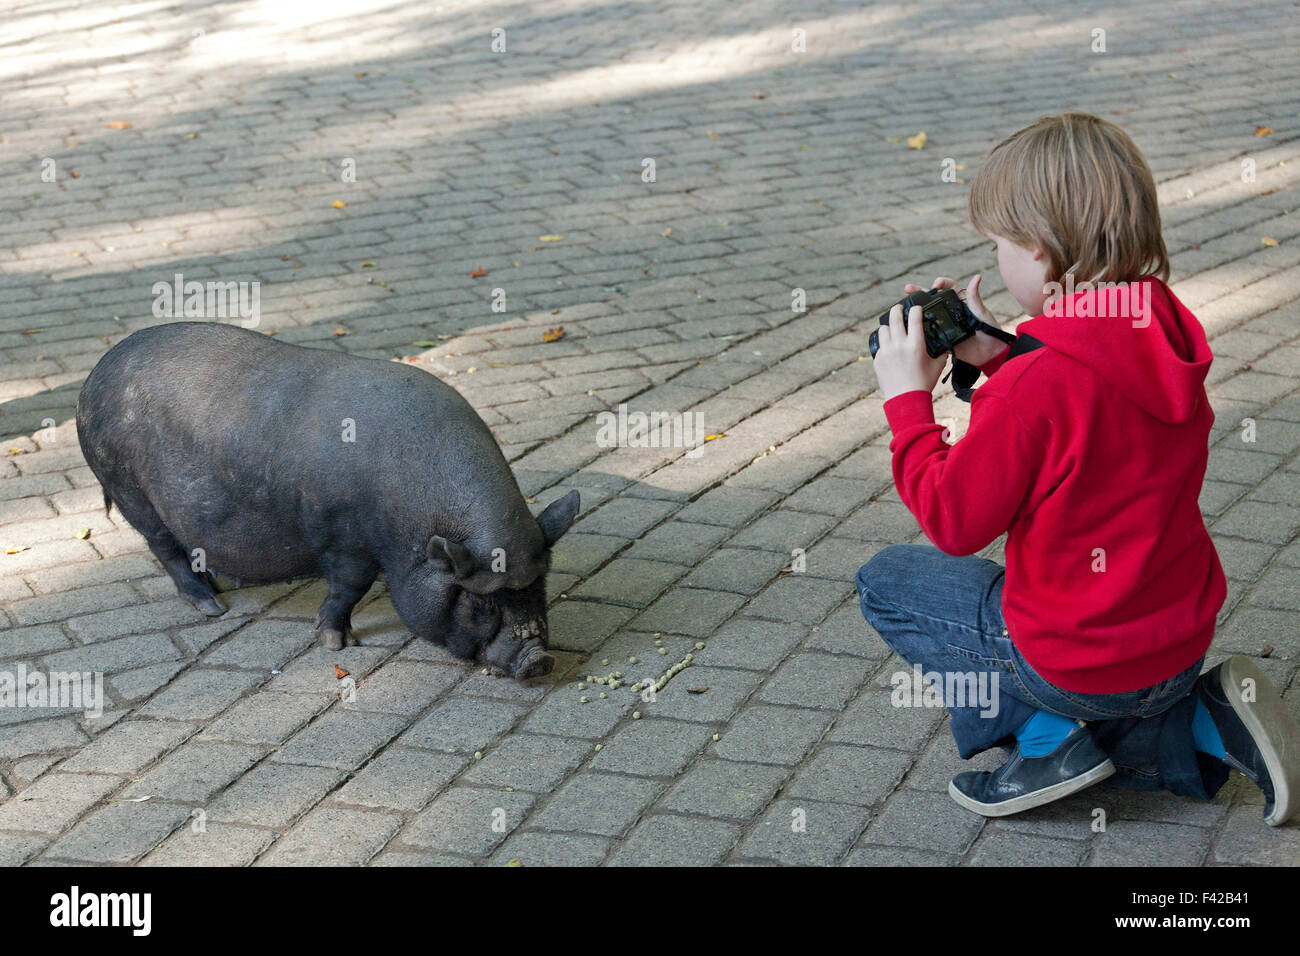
<point>1087,446</point>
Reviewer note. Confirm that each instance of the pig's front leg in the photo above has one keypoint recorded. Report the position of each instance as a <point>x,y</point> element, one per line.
<point>349,578</point>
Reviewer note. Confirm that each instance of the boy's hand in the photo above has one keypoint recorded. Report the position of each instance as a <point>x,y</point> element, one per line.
<point>902,363</point>
<point>981,347</point>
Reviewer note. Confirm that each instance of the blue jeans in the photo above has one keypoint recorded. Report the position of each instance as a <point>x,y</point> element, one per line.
<point>943,614</point>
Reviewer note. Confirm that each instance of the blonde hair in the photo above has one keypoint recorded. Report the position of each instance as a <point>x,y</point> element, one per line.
<point>1077,187</point>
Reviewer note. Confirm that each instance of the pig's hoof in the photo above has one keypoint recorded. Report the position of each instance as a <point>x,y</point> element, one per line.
<point>351,640</point>
<point>331,639</point>
<point>211,606</point>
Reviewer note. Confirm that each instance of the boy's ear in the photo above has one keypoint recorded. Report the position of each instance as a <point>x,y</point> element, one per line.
<point>558,517</point>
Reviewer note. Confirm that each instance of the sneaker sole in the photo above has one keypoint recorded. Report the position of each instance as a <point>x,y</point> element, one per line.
<point>1271,727</point>
<point>1036,799</point>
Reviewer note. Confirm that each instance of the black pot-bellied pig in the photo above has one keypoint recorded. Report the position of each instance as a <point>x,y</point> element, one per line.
<point>230,451</point>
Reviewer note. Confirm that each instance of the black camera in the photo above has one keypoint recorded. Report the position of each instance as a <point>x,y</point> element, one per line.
<point>944,317</point>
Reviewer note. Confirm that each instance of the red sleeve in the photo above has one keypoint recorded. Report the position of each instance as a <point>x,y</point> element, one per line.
<point>963,495</point>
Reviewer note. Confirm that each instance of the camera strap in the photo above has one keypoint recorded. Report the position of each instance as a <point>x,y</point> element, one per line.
<point>964,375</point>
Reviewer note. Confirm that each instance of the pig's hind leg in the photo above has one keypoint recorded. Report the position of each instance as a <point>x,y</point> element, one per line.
<point>196,587</point>
<point>349,578</point>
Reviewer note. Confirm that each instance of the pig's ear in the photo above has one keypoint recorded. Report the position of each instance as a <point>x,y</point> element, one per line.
<point>558,517</point>
<point>451,553</point>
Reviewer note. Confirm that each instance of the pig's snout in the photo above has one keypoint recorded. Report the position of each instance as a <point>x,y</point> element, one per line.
<point>532,661</point>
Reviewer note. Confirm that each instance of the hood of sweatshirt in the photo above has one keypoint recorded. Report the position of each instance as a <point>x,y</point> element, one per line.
<point>1138,338</point>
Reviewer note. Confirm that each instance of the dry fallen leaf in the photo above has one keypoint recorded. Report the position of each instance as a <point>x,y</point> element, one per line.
<point>696,690</point>
<point>340,331</point>
<point>553,335</point>
<point>549,237</point>
<point>339,672</point>
<point>1268,241</point>
<point>1263,130</point>
<point>83,534</point>
<point>917,141</point>
<point>338,204</point>
<point>478,273</point>
<point>118,124</point>
<point>16,550</point>
<point>367,265</point>
<point>712,437</point>
<point>667,232</point>
<point>17,451</point>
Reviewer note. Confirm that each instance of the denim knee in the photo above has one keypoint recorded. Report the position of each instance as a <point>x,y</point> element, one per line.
<point>878,576</point>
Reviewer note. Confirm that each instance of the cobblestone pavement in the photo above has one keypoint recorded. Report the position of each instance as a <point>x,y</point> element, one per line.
<point>217,140</point>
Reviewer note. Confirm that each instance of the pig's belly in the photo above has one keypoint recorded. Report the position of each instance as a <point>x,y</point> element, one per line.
<point>242,540</point>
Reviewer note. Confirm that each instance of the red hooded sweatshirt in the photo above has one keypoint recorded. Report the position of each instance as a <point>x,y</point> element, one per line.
<point>1089,453</point>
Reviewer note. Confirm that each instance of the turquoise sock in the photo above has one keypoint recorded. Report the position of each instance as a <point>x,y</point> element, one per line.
<point>1205,736</point>
<point>1043,733</point>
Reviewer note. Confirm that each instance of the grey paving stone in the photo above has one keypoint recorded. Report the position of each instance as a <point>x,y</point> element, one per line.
<point>341,739</point>
<point>552,849</point>
<point>872,719</point>
<point>824,681</point>
<point>143,681</point>
<point>678,542</point>
<point>260,645</point>
<point>1131,843</point>
<point>200,694</point>
<point>799,598</point>
<point>897,856</point>
<point>26,642</point>
<point>1247,840</point>
<point>689,611</point>
<point>403,687</point>
<point>16,849</point>
<point>118,833</point>
<point>652,748</point>
<point>736,569</point>
<point>467,821</point>
<point>39,737</point>
<point>755,645</point>
<point>563,714</point>
<point>129,747</point>
<point>401,779</point>
<point>605,804</point>
<point>923,820</point>
<point>195,772</point>
<point>578,553</point>
<point>266,717</point>
<point>704,694</point>
<point>217,844</point>
<point>667,840</point>
<point>804,833</point>
<point>1001,848</point>
<point>528,762</point>
<point>782,531</point>
<point>860,776</point>
<point>584,625</point>
<point>629,581</point>
<point>111,657</point>
<point>773,735</point>
<point>461,725</point>
<point>722,788</point>
<point>314,672</point>
<point>56,801</point>
<point>273,794</point>
<point>332,836</point>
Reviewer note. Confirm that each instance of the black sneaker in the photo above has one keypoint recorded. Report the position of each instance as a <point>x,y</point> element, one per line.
<point>1024,782</point>
<point>1260,737</point>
